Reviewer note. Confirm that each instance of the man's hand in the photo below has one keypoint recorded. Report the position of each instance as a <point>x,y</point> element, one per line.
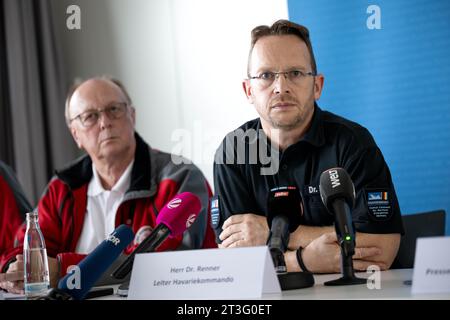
<point>244,230</point>
<point>11,276</point>
<point>323,255</point>
<point>12,280</point>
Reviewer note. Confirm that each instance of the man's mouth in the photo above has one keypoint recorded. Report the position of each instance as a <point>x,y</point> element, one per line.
<point>283,105</point>
<point>108,139</point>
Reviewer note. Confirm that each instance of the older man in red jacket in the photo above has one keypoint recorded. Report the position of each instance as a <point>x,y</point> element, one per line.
<point>121,180</point>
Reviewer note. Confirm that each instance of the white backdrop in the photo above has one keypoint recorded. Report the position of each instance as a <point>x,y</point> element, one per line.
<point>182,61</point>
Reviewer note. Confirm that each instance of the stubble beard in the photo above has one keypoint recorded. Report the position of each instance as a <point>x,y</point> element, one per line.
<point>301,115</point>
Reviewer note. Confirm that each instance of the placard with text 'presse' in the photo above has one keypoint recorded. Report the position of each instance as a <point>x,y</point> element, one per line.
<point>238,273</point>
<point>432,266</point>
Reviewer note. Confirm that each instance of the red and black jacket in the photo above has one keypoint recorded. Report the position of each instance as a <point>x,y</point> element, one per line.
<point>155,179</point>
<point>13,207</point>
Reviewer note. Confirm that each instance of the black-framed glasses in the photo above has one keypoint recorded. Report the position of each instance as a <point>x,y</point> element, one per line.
<point>266,78</point>
<point>90,117</point>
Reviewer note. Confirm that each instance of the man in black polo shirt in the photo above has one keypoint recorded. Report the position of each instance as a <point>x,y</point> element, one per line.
<point>291,144</point>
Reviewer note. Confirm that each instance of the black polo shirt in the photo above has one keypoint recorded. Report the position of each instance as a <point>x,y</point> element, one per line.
<point>331,141</point>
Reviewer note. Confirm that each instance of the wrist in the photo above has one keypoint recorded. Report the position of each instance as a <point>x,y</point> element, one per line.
<point>301,261</point>
<point>290,258</point>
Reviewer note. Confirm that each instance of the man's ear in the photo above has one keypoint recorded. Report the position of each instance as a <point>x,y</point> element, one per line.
<point>73,131</point>
<point>248,90</point>
<point>133,115</point>
<point>318,85</point>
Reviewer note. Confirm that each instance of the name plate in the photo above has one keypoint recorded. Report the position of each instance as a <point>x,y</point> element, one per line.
<point>235,273</point>
<point>432,265</point>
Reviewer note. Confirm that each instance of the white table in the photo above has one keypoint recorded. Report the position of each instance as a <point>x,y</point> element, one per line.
<point>392,286</point>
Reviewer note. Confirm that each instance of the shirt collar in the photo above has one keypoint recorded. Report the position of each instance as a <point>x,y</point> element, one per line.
<point>95,186</point>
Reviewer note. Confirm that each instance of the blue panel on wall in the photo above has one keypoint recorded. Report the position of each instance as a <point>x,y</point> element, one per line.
<point>395,81</point>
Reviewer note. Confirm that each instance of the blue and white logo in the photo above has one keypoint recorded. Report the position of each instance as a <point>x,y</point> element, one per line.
<point>374,196</point>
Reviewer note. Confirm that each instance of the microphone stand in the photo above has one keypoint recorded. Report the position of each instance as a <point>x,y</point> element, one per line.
<point>295,280</point>
<point>277,243</point>
<point>289,280</point>
<point>348,273</point>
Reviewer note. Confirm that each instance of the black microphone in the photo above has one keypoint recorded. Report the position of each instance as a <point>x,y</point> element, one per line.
<point>284,209</point>
<point>76,285</point>
<point>174,218</point>
<point>338,195</point>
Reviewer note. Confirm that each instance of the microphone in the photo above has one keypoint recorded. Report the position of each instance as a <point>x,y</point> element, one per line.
<point>338,195</point>
<point>175,217</point>
<point>284,210</point>
<point>76,285</point>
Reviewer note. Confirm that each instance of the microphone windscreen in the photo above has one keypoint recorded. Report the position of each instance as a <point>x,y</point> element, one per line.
<point>336,183</point>
<point>90,269</point>
<point>285,201</point>
<point>179,213</point>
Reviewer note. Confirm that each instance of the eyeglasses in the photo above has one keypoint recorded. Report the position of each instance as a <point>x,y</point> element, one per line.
<point>265,79</point>
<point>90,118</point>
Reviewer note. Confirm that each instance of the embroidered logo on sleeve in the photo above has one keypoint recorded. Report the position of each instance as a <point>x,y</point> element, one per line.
<point>215,212</point>
<point>379,204</point>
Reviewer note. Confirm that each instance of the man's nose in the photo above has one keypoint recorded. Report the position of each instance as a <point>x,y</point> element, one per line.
<point>281,83</point>
<point>103,119</point>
